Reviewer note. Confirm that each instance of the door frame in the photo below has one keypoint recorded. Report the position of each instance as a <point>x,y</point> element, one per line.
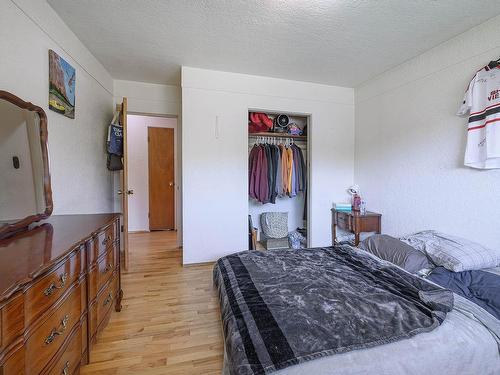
<point>177,190</point>
<point>123,113</point>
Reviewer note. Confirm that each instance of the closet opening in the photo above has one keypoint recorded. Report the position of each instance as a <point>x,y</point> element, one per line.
<point>278,180</point>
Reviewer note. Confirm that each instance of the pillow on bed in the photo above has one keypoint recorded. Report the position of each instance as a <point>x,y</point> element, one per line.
<point>397,252</point>
<point>454,253</point>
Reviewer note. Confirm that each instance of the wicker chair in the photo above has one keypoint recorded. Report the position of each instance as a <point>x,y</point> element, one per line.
<point>274,230</point>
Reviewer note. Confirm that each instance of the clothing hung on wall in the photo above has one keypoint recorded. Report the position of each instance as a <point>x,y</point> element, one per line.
<point>276,171</point>
<point>114,144</point>
<point>482,105</point>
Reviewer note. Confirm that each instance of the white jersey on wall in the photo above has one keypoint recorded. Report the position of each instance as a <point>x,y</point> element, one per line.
<point>482,103</point>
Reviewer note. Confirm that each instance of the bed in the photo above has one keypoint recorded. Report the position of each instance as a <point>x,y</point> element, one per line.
<point>312,312</point>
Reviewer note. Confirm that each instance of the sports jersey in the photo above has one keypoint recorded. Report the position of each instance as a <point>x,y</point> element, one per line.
<point>482,103</point>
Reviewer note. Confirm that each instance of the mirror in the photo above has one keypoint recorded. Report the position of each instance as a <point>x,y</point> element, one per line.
<point>25,192</point>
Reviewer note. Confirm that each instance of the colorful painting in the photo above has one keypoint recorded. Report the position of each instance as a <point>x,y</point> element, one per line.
<point>61,85</point>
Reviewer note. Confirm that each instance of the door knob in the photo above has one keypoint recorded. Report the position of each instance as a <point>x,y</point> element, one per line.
<point>170,183</point>
<point>120,192</point>
<point>130,192</point>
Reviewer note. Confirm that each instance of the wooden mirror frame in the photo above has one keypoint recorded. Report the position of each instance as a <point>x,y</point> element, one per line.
<point>8,228</point>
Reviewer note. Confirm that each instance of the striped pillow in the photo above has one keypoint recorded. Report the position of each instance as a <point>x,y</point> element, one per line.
<point>454,253</point>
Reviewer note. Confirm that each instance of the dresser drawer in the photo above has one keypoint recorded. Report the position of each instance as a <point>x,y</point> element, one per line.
<point>70,358</point>
<point>11,321</point>
<point>102,242</point>
<point>52,333</point>
<point>46,291</point>
<point>85,337</point>
<point>13,363</point>
<point>101,307</point>
<point>102,272</point>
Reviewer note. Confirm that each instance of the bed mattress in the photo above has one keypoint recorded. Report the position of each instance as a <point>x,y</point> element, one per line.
<point>467,342</point>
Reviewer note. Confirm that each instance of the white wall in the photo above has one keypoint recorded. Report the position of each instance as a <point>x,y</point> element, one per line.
<point>149,98</point>
<point>28,29</point>
<point>214,158</point>
<point>410,145</point>
<point>138,167</point>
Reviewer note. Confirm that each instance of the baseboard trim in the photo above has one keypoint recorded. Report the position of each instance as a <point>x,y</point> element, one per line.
<point>198,264</point>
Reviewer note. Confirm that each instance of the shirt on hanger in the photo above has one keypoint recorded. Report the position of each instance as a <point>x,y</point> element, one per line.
<point>289,169</point>
<point>482,103</point>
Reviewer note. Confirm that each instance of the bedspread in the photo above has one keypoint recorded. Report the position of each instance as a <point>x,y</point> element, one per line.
<point>281,308</point>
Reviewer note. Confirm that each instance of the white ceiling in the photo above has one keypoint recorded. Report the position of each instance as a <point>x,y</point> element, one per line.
<point>337,42</point>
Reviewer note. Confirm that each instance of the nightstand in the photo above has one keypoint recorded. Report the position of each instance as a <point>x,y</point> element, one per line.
<point>354,222</point>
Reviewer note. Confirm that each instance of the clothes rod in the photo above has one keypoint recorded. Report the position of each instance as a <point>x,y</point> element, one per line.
<point>278,135</point>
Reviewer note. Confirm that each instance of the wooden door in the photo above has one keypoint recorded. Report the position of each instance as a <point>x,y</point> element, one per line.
<point>124,191</point>
<point>161,178</point>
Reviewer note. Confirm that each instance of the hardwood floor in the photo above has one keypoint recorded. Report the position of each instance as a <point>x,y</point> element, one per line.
<point>170,322</point>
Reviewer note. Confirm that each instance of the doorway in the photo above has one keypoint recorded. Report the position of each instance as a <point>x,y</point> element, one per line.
<point>161,178</point>
<point>152,173</point>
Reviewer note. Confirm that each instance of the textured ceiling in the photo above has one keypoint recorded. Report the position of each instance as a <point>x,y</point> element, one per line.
<point>338,42</point>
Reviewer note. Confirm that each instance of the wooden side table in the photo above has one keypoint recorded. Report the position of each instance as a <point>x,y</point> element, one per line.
<point>354,222</point>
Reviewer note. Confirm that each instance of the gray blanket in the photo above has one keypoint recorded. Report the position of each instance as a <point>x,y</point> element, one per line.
<point>281,308</point>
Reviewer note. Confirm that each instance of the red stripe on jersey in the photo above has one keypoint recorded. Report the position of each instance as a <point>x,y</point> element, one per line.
<point>484,110</point>
<point>484,125</point>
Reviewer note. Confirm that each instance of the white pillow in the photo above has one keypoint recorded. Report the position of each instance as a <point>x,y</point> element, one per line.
<point>454,253</point>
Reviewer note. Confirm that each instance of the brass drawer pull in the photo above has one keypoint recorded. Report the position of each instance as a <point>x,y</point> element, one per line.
<point>57,332</point>
<point>108,300</point>
<point>106,240</point>
<point>65,370</point>
<point>52,287</point>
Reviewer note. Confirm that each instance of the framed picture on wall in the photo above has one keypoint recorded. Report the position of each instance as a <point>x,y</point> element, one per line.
<point>61,85</point>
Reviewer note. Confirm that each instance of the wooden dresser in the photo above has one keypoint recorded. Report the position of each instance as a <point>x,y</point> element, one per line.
<point>58,283</point>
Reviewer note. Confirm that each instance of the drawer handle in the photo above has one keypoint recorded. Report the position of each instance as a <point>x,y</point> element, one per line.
<point>106,240</point>
<point>108,300</point>
<point>52,287</point>
<point>65,370</point>
<point>57,332</point>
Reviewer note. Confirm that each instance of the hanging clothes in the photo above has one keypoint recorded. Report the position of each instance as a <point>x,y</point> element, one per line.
<point>274,177</point>
<point>279,173</point>
<point>262,187</point>
<point>481,105</point>
<point>275,171</point>
<point>284,170</point>
<point>114,144</point>
<point>301,168</point>
<point>252,171</point>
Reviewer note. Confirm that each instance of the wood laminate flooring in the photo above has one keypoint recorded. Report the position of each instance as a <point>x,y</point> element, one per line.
<point>170,322</point>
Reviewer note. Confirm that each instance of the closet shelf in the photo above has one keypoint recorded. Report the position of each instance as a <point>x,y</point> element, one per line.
<point>277,135</point>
